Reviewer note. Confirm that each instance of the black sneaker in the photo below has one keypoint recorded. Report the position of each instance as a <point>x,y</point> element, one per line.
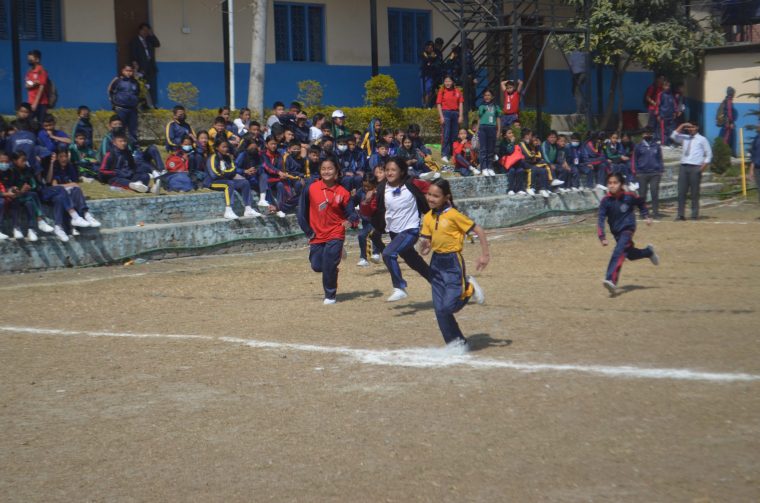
<point>680,218</point>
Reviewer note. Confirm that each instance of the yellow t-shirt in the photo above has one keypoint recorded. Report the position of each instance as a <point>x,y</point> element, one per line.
<point>446,230</point>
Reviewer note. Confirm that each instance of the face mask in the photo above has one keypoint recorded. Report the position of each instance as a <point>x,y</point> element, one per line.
<point>574,143</point>
<point>5,166</point>
<point>342,148</point>
<point>31,63</point>
<point>648,138</point>
<point>187,148</point>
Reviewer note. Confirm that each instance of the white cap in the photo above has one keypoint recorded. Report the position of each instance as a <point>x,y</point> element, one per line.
<point>338,113</point>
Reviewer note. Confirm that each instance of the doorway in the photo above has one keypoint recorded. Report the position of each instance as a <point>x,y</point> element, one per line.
<point>129,14</point>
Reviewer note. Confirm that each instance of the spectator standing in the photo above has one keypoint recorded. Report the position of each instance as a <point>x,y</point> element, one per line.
<point>650,100</point>
<point>696,156</point>
<point>124,93</point>
<point>754,156</point>
<point>726,120</point>
<point>143,51</point>
<point>37,86</point>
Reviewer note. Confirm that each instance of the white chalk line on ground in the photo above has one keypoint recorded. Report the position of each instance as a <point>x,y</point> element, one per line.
<point>423,357</point>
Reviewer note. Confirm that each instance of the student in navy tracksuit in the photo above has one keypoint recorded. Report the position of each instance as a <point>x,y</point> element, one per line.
<point>595,158</point>
<point>647,166</point>
<point>325,210</point>
<point>353,163</point>
<point>666,114</point>
<point>576,157</point>
<point>754,159</point>
<point>177,129</point>
<point>618,208</point>
<point>400,204</point>
<point>120,169</point>
<point>223,176</point>
<point>124,92</point>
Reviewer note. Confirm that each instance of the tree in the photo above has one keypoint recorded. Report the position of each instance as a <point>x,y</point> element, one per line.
<point>659,35</point>
<point>258,57</point>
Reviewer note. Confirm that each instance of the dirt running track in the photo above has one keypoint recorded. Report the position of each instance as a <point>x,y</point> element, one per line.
<point>570,395</point>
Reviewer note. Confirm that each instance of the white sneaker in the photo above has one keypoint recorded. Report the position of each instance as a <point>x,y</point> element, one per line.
<point>3,237</point>
<point>60,234</point>
<point>263,203</point>
<point>281,214</point>
<point>363,263</point>
<point>634,186</point>
<point>376,258</point>
<point>156,189</point>
<point>329,302</point>
<point>228,213</point>
<point>599,186</point>
<point>492,172</point>
<point>250,212</point>
<point>74,232</point>
<point>17,234</point>
<point>154,174</point>
<point>556,182</point>
<point>545,193</point>
<point>31,236</point>
<point>91,220</point>
<point>77,221</point>
<point>398,294</point>
<point>511,193</point>
<point>478,294</point>
<point>44,226</point>
<point>138,187</point>
<point>495,157</point>
<point>610,286</point>
<point>576,189</point>
<point>523,193</point>
<point>654,258</point>
<point>531,192</point>
<point>430,175</point>
<point>445,160</point>
<point>476,171</point>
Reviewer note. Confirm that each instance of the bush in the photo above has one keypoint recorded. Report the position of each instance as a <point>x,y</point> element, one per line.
<point>528,120</point>
<point>381,91</point>
<point>721,160</point>
<point>184,93</point>
<point>310,93</point>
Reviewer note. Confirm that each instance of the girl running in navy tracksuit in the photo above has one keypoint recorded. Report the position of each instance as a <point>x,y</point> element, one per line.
<point>325,210</point>
<point>618,208</point>
<point>443,231</point>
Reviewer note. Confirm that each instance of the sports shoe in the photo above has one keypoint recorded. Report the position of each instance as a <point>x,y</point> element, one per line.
<point>44,226</point>
<point>545,193</point>
<point>492,172</point>
<point>523,193</point>
<point>376,258</point>
<point>363,263</point>
<point>329,302</point>
<point>228,213</point>
<point>281,214</point>
<point>31,236</point>
<point>138,187</point>
<point>91,220</point>
<point>445,160</point>
<point>634,186</point>
<point>599,186</point>
<point>476,171</point>
<point>495,157</point>
<point>557,183</point>
<point>60,234</point>
<point>263,202</point>
<point>3,237</point>
<point>156,189</point>
<point>74,232</point>
<point>398,294</point>
<point>511,193</point>
<point>610,286</point>
<point>17,234</point>
<point>654,258</point>
<point>531,192</point>
<point>430,175</point>
<point>250,212</point>
<point>77,221</point>
<point>477,294</point>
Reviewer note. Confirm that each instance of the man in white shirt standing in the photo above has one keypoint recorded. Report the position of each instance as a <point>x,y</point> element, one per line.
<point>696,156</point>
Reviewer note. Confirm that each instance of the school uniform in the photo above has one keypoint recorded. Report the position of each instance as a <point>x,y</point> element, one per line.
<point>29,201</point>
<point>175,131</point>
<point>510,160</point>
<point>462,152</point>
<point>197,166</point>
<point>370,138</point>
<point>353,165</point>
<point>85,160</point>
<point>666,116</point>
<point>398,212</point>
<point>619,211</point>
<point>177,177</point>
<point>510,113</point>
<point>754,156</point>
<point>270,182</point>
<point>569,176</point>
<point>293,184</point>
<point>376,160</point>
<point>125,95</point>
<point>120,168</point>
<point>576,158</point>
<point>487,134</point>
<point>596,161</point>
<point>449,100</point>
<point>44,139</point>
<point>614,155</point>
<point>84,126</point>
<point>726,119</point>
<point>537,172</point>
<point>321,213</point>
<point>446,230</point>
<point>223,176</point>
<point>648,166</point>
<point>63,198</point>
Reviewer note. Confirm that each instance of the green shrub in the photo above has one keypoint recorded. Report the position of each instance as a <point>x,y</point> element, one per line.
<point>381,91</point>
<point>184,93</point>
<point>721,160</point>
<point>528,120</point>
<point>310,93</point>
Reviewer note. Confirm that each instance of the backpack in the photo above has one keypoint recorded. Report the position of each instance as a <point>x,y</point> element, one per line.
<point>52,93</point>
<point>176,164</point>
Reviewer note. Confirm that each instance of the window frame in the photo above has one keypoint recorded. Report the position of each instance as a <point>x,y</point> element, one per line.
<point>37,36</point>
<point>401,39</point>
<point>307,36</point>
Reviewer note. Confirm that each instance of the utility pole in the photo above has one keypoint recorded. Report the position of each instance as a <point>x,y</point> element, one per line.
<point>258,58</point>
<point>15,54</point>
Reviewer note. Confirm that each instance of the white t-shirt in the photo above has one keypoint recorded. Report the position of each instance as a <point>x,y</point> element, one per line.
<point>314,134</point>
<point>241,126</point>
<point>400,210</point>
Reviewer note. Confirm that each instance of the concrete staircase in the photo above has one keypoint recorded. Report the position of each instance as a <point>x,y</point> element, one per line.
<point>183,225</point>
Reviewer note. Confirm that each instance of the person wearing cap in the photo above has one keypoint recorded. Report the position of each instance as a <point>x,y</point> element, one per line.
<point>725,119</point>
<point>339,124</point>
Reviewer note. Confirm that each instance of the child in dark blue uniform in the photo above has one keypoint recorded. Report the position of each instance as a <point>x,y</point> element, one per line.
<point>618,208</point>
<point>443,231</point>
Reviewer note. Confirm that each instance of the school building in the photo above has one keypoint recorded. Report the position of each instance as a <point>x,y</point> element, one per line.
<point>83,42</point>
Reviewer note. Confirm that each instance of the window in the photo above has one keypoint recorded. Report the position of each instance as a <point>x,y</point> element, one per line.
<point>299,32</point>
<point>408,30</point>
<point>38,19</point>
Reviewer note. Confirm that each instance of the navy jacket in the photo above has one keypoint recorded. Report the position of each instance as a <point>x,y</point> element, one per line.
<point>175,131</point>
<point>124,93</point>
<point>83,126</point>
<point>667,105</point>
<point>576,156</point>
<point>352,161</point>
<point>647,158</point>
<point>754,151</point>
<point>619,211</point>
<point>119,163</point>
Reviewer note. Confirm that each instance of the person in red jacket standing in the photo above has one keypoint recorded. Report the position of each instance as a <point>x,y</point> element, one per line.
<point>36,82</point>
<point>449,102</point>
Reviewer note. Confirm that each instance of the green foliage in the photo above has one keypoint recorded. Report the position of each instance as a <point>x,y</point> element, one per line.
<point>721,161</point>
<point>528,120</point>
<point>381,91</point>
<point>310,93</point>
<point>184,93</point>
<point>756,96</point>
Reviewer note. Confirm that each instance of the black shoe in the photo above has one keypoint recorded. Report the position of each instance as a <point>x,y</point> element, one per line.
<point>695,218</point>
<point>680,218</point>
